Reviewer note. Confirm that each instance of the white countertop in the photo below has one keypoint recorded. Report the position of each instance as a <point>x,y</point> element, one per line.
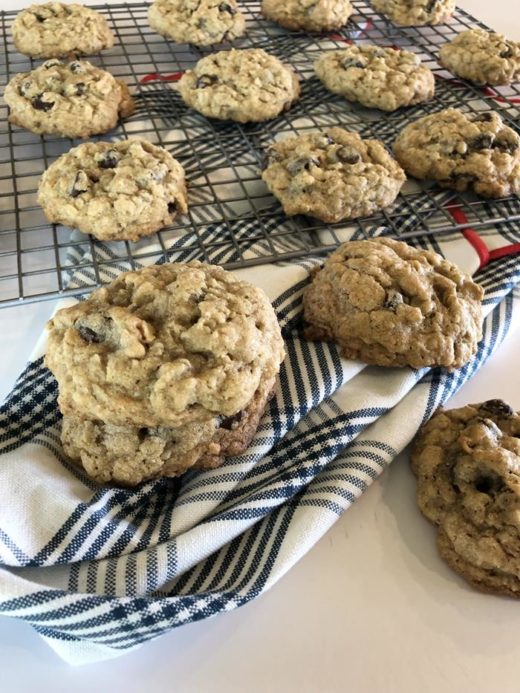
<point>371,608</point>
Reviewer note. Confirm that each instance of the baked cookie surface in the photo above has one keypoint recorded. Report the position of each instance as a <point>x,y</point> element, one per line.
<point>164,346</point>
<point>462,151</point>
<point>332,175</point>
<point>376,77</point>
<point>198,22</point>
<point>54,30</point>
<point>308,15</point>
<point>246,85</point>
<point>483,57</point>
<point>389,304</point>
<point>72,99</point>
<point>415,12</point>
<point>467,464</point>
<point>129,455</point>
<point>114,190</point>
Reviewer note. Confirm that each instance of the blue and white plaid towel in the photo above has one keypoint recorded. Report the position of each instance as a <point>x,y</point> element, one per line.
<point>98,571</point>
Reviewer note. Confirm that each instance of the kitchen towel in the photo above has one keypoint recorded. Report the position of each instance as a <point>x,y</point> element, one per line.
<point>99,571</point>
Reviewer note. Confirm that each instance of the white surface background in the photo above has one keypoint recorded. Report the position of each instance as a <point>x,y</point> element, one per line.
<point>370,608</point>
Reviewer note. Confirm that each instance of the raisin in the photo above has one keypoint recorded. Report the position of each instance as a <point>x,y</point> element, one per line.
<point>302,164</point>
<point>39,17</point>
<point>110,159</point>
<point>497,407</point>
<point>80,184</point>
<point>224,7</point>
<point>507,53</point>
<point>205,81</point>
<point>482,141</point>
<point>505,146</point>
<point>89,335</point>
<point>40,105</point>
<point>348,155</point>
<point>75,67</point>
<point>431,5</point>
<point>228,422</point>
<point>50,63</point>
<point>25,87</point>
<point>488,484</point>
<point>81,88</point>
<point>485,117</point>
<point>270,157</point>
<point>172,207</point>
<point>351,62</point>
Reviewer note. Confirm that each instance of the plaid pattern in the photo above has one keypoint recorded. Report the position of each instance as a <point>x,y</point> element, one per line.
<point>108,569</point>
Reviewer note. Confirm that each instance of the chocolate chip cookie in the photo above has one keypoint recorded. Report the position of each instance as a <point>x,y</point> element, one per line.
<point>467,463</point>
<point>72,99</point>
<point>54,30</point>
<point>308,15</point>
<point>415,12</point>
<point>198,22</point>
<point>462,151</point>
<point>129,455</point>
<point>388,304</point>
<point>483,57</point>
<point>167,345</point>
<point>332,175</point>
<point>114,190</point>
<point>242,85</point>
<point>376,77</point>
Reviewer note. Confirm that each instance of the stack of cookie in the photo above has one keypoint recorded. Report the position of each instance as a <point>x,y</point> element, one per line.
<point>167,368</point>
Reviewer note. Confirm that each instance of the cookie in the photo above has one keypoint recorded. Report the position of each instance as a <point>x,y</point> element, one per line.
<point>332,175</point>
<point>167,345</point>
<point>242,85</point>
<point>375,77</point>
<point>129,455</point>
<point>198,22</point>
<point>72,99</point>
<point>308,15</point>
<point>388,304</point>
<point>54,30</point>
<point>467,464</point>
<point>415,12</point>
<point>483,57</point>
<point>462,151</point>
<point>114,190</point>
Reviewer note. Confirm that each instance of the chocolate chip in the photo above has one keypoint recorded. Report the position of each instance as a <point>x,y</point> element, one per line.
<point>228,422</point>
<point>505,145</point>
<point>351,62</point>
<point>224,7</point>
<point>431,5</point>
<point>485,117</point>
<point>39,17</point>
<point>24,88</point>
<point>80,184</point>
<point>50,63</point>
<point>81,88</point>
<point>497,407</point>
<point>205,81</point>
<point>172,207</point>
<point>393,299</point>
<point>348,155</point>
<point>110,159</point>
<point>488,484</point>
<point>270,157</point>
<point>75,67</point>
<point>302,164</point>
<point>507,53</point>
<point>40,105</point>
<point>89,335</point>
<point>482,141</point>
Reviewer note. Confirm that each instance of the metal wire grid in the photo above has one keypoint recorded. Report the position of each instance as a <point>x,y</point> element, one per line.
<point>232,220</point>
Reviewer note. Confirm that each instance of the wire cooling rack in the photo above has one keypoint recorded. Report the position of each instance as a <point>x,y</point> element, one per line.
<point>232,220</point>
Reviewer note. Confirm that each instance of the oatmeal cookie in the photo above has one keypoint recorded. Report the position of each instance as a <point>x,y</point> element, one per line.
<point>72,99</point>
<point>114,190</point>
<point>332,175</point>
<point>415,12</point>
<point>308,15</point>
<point>167,345</point>
<point>389,304</point>
<point>54,30</point>
<point>483,57</point>
<point>129,455</point>
<point>242,85</point>
<point>198,22</point>
<point>467,464</point>
<point>462,151</point>
<point>376,77</point>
